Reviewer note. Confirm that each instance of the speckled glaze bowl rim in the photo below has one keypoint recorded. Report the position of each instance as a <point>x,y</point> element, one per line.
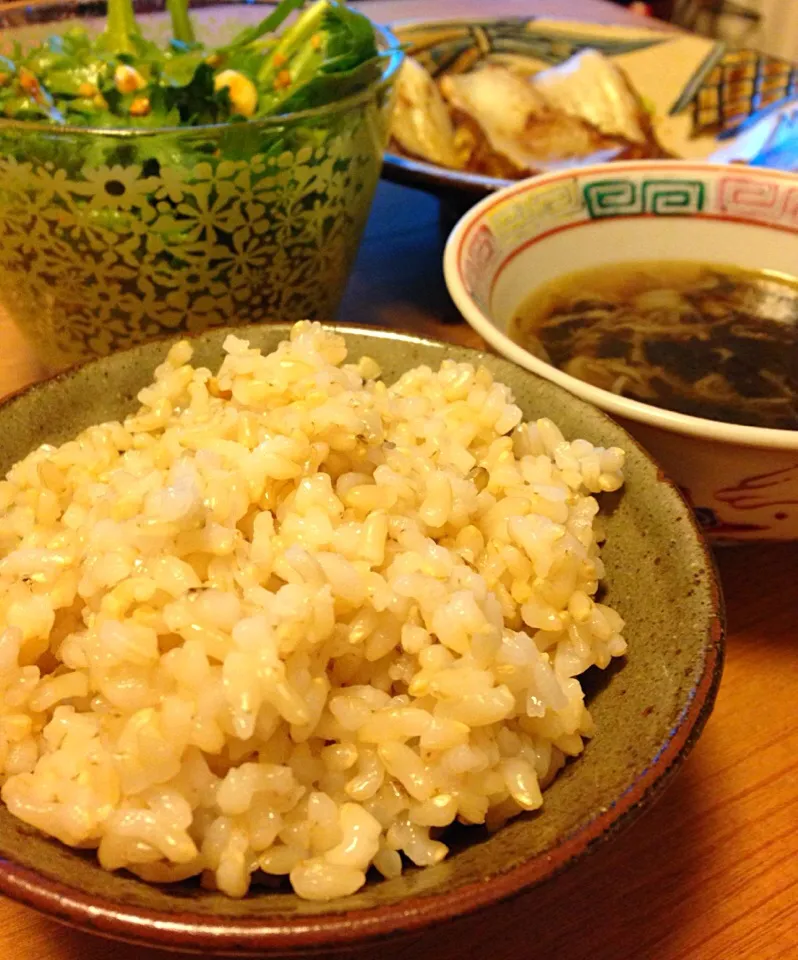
<point>383,34</point>
<point>634,410</point>
<point>277,935</point>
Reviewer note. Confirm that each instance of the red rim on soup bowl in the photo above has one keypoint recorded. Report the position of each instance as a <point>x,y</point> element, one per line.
<point>741,480</point>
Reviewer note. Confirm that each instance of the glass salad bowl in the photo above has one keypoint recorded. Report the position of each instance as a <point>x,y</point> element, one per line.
<point>112,237</point>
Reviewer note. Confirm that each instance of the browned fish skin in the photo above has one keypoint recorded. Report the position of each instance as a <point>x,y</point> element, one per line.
<point>480,157</point>
<point>504,126</point>
<point>421,124</point>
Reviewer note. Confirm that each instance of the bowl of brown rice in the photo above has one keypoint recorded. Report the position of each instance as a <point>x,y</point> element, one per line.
<point>315,635</point>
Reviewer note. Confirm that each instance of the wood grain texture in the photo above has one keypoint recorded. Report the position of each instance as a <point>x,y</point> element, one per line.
<point>711,873</point>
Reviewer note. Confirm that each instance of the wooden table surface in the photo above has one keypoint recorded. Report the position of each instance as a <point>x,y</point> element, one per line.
<point>711,873</point>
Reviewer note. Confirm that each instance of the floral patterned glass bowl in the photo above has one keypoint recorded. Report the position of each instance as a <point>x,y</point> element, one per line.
<point>742,480</point>
<point>110,238</point>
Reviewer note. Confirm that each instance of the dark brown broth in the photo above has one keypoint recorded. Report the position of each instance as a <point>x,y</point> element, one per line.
<point>710,341</point>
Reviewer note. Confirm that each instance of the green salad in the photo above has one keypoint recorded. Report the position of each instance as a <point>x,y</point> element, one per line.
<point>119,79</point>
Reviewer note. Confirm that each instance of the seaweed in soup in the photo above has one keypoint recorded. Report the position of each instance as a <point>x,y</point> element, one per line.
<point>710,341</point>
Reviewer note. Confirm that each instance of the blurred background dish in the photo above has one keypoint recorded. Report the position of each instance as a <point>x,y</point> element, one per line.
<point>742,478</point>
<point>598,93</point>
<point>111,237</point>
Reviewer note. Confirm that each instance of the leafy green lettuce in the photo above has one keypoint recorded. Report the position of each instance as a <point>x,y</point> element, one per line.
<point>121,79</point>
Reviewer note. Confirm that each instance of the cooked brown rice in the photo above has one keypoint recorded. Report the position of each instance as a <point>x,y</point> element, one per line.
<point>289,619</point>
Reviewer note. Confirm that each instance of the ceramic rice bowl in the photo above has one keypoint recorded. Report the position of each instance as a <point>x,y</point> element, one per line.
<point>649,709</point>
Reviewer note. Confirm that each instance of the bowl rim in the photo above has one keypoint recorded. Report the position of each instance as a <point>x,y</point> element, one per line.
<point>633,410</point>
<point>230,936</point>
<point>391,47</point>
<point>407,171</point>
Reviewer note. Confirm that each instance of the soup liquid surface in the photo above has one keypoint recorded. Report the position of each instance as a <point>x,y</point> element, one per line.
<point>706,340</point>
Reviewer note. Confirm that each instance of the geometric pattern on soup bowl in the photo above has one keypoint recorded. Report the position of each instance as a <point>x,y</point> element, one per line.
<point>574,198</point>
<point>625,196</point>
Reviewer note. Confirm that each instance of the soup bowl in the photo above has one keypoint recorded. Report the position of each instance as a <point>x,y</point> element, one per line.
<point>741,480</point>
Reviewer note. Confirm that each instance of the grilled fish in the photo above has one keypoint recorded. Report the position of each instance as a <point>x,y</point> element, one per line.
<point>421,123</point>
